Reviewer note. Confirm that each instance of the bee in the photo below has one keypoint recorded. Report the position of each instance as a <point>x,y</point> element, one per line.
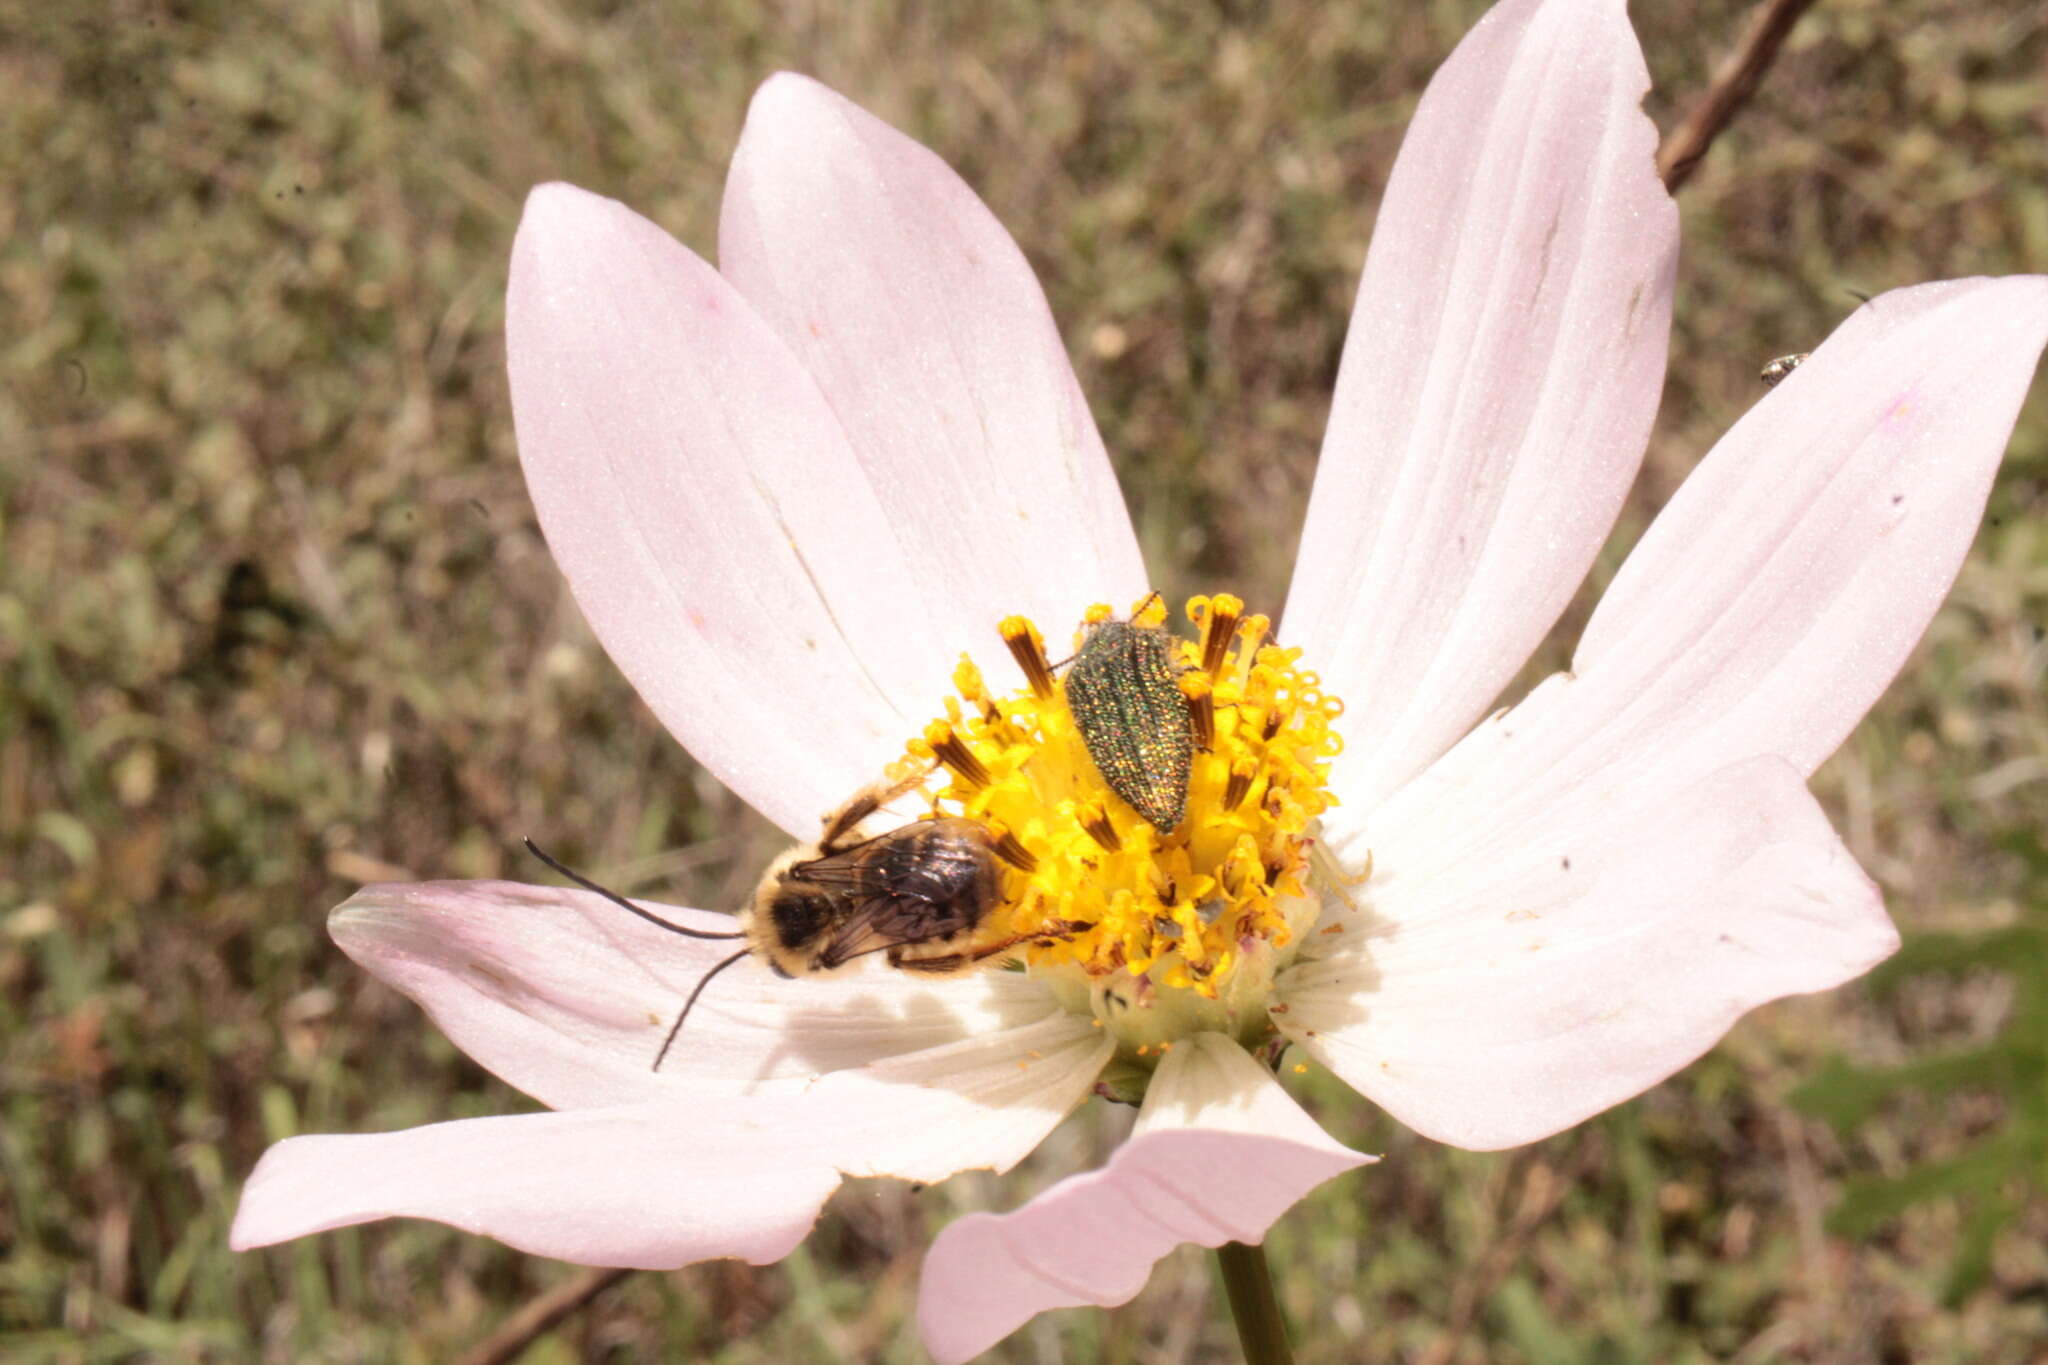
<point>922,894</point>
<point>918,894</point>
<point>1124,692</point>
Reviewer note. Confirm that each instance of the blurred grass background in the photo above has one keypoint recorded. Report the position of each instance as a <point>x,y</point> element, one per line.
<point>275,619</point>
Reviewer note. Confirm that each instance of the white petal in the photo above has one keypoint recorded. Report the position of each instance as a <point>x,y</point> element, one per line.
<point>1218,1154</point>
<point>1778,594</point>
<point>698,493</point>
<point>1502,370</point>
<point>1546,971</point>
<point>652,1186</point>
<point>984,1101</point>
<point>1208,1081</point>
<point>568,997</point>
<point>689,1177</point>
<point>926,330</point>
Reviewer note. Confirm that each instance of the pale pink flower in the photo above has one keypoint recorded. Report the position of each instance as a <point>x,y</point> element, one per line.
<point>788,493</point>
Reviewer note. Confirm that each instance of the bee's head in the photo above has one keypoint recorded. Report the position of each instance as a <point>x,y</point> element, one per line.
<point>787,924</point>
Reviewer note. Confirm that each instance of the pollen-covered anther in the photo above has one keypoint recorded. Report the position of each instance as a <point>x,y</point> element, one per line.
<point>1242,774</point>
<point>958,758</point>
<point>1027,647</point>
<point>1095,820</point>
<point>1201,698</point>
<point>1219,624</point>
<point>1011,849</point>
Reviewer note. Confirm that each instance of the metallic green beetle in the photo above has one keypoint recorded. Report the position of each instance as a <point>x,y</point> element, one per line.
<point>1124,692</point>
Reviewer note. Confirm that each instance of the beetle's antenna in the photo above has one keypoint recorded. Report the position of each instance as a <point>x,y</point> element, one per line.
<point>1147,600</point>
<point>616,899</point>
<point>702,982</point>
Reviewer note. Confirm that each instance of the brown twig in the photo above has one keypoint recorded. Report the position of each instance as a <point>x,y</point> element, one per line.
<point>540,1316</point>
<point>1730,89</point>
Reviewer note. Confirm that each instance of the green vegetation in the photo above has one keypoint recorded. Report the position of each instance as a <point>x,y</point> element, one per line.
<point>275,618</point>
<point>2000,1167</point>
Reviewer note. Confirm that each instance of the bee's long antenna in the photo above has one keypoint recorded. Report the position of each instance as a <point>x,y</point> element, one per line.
<point>702,982</point>
<point>616,899</point>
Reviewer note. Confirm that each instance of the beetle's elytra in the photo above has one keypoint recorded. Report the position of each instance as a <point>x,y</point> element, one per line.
<point>1127,704</point>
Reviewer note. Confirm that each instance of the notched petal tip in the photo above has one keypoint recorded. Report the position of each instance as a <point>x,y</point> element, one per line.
<point>282,1198</point>
<point>789,93</point>
<point>1094,1238</point>
<point>374,911</point>
<point>648,1186</point>
<point>922,323</point>
<point>676,449</point>
<point>359,921</point>
<point>373,896</point>
<point>554,990</point>
<point>1508,341</point>
<point>1219,1153</point>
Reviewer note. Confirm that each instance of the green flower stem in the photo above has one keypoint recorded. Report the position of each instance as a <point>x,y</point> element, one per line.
<point>1250,1286</point>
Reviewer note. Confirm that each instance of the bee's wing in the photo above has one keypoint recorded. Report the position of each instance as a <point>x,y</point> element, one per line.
<point>883,922</point>
<point>844,872</point>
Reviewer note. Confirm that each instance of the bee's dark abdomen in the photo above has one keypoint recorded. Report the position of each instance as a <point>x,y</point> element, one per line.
<point>799,917</point>
<point>949,862</point>
<point>1129,709</point>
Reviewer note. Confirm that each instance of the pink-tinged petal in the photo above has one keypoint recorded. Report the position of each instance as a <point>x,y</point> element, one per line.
<point>925,327</point>
<point>1776,596</point>
<point>718,533</point>
<point>568,997</point>
<point>697,1174</point>
<point>694,1175</point>
<point>983,1102</point>
<point>1572,955</point>
<point>650,1186</point>
<point>1219,1153</point>
<point>1497,387</point>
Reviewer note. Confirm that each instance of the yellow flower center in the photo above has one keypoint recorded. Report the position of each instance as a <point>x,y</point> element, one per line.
<point>1124,915</point>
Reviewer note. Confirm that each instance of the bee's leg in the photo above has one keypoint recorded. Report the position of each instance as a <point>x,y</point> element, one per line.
<point>949,963</point>
<point>864,803</point>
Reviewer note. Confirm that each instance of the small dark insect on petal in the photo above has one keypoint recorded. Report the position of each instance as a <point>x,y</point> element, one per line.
<point>1776,371</point>
<point>1127,703</point>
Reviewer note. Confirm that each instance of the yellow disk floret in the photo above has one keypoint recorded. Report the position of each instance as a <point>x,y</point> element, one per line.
<point>1096,888</point>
